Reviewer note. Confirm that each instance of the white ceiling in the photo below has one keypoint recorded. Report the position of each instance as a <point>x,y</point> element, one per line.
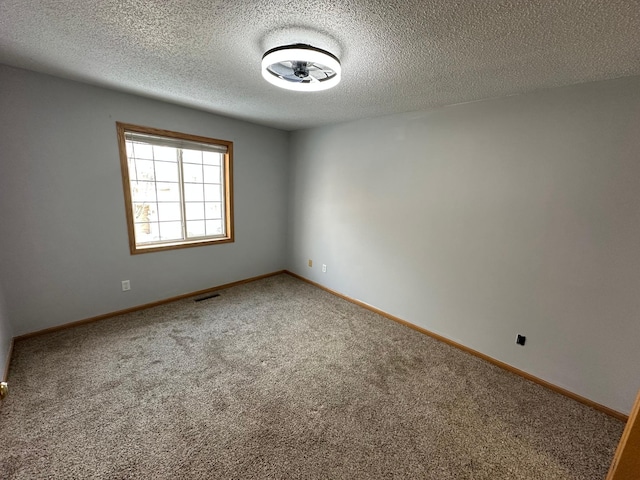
<point>396,56</point>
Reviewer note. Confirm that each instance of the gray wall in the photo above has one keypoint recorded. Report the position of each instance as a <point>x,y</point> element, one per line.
<point>485,220</point>
<point>64,247</point>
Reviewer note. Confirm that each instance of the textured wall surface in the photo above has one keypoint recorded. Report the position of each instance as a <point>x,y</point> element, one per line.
<point>64,244</point>
<point>396,56</point>
<point>482,221</point>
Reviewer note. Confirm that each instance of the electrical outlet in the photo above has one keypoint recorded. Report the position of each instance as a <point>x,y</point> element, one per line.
<point>324,268</point>
<point>126,285</point>
<point>310,263</point>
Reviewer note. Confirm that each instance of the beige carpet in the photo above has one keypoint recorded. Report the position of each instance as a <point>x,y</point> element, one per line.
<point>278,379</point>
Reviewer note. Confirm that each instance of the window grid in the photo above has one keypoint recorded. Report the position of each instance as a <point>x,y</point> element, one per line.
<point>181,190</point>
<point>155,187</point>
<point>185,218</point>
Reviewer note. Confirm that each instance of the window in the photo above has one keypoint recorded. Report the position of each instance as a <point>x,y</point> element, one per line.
<point>177,188</point>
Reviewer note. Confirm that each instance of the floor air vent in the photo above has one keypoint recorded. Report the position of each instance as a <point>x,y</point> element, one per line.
<point>214,295</point>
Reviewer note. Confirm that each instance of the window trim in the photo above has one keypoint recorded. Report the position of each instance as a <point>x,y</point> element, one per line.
<point>122,128</point>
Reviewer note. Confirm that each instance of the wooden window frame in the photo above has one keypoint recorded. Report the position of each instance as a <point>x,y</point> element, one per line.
<point>122,129</point>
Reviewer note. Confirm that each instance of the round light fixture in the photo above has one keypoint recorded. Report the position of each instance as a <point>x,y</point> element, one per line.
<point>301,67</point>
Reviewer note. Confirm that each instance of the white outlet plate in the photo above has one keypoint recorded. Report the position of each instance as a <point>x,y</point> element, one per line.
<point>126,285</point>
<point>324,268</point>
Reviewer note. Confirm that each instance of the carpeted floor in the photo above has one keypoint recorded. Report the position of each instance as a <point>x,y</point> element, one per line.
<point>278,379</point>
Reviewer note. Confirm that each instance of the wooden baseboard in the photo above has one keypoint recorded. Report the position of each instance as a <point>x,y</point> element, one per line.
<point>505,366</point>
<point>143,307</point>
<point>5,377</point>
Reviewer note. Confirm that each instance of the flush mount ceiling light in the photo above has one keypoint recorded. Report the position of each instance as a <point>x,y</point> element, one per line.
<point>301,67</point>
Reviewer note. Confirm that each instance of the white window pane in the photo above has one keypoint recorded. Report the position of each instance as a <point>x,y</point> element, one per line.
<point>142,150</point>
<point>211,174</point>
<point>194,211</point>
<point>142,170</point>
<point>143,192</point>
<point>193,192</point>
<point>213,210</point>
<point>169,211</point>
<point>170,231</point>
<point>129,146</point>
<point>211,158</point>
<point>192,156</point>
<point>196,229</point>
<point>166,172</point>
<point>192,173</point>
<point>214,227</point>
<point>168,192</point>
<point>146,232</point>
<point>165,153</point>
<point>144,212</point>
<point>212,193</point>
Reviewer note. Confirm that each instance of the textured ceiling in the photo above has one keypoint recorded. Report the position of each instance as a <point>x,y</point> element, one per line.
<point>396,56</point>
